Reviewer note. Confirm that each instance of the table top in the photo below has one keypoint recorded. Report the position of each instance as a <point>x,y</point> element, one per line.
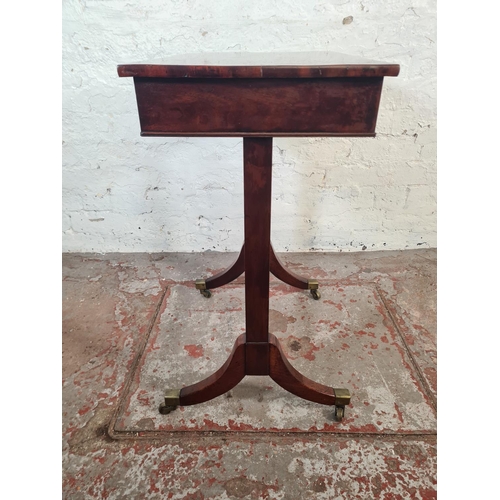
<point>260,65</point>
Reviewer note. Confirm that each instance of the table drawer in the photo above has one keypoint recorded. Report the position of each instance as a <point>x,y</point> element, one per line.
<point>258,107</point>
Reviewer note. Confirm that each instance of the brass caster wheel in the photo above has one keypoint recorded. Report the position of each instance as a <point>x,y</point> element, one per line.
<point>166,409</point>
<point>316,295</point>
<point>339,413</point>
<point>206,293</point>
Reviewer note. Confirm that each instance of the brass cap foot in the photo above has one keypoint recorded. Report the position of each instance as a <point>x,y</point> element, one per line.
<point>312,284</point>
<point>342,397</point>
<point>200,284</point>
<point>172,397</point>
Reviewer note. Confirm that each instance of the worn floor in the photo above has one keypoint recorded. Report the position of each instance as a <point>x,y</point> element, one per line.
<point>134,325</point>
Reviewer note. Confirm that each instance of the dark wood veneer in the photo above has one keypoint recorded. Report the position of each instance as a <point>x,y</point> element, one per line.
<point>260,65</point>
<point>257,97</point>
<point>267,107</point>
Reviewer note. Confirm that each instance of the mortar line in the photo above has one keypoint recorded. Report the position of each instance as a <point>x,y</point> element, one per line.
<point>420,375</point>
<point>131,373</point>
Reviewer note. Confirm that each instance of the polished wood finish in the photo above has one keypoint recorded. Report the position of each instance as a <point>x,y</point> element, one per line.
<point>260,65</point>
<point>234,271</point>
<point>276,267</point>
<point>286,376</point>
<point>223,380</point>
<point>264,107</point>
<point>258,97</point>
<point>257,358</point>
<point>257,179</point>
<point>282,273</point>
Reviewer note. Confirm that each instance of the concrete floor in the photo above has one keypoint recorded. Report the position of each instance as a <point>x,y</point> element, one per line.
<point>134,325</point>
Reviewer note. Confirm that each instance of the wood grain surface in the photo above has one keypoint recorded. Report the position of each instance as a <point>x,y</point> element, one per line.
<point>266,107</point>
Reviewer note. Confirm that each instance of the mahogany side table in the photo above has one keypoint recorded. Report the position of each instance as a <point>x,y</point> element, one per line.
<point>258,97</point>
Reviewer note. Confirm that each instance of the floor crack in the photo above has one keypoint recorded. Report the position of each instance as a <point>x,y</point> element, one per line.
<point>421,377</point>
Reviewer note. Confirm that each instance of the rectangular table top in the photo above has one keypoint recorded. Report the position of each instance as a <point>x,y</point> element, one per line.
<point>259,65</point>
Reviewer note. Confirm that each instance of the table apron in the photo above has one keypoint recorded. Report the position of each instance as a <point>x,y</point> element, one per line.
<point>266,107</point>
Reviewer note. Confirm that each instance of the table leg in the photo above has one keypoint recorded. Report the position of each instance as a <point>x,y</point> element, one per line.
<point>223,278</point>
<point>250,355</point>
<point>257,352</point>
<point>257,180</point>
<point>220,382</point>
<point>276,267</point>
<point>287,276</point>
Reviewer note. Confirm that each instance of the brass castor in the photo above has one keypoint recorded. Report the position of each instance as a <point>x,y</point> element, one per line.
<point>316,295</point>
<point>201,285</point>
<point>339,413</point>
<point>172,400</point>
<point>166,409</point>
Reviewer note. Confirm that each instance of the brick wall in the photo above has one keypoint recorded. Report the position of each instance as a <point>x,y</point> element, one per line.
<point>125,193</point>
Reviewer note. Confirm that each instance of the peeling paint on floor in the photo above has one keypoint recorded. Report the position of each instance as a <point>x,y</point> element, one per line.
<point>351,342</point>
<point>127,315</point>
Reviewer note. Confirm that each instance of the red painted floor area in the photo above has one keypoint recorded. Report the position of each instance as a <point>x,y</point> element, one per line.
<point>134,325</point>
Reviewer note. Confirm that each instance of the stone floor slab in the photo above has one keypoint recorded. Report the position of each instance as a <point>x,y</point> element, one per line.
<point>411,303</point>
<point>280,468</point>
<point>347,339</point>
<point>116,306</point>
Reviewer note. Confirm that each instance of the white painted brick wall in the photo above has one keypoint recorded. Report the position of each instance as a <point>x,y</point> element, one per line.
<point>125,193</point>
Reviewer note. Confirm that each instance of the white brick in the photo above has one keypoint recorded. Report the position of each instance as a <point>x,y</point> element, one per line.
<point>186,194</point>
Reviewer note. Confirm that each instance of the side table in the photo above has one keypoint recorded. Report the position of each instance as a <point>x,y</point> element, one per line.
<point>258,97</point>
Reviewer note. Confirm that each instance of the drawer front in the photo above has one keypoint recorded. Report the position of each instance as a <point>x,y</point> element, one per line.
<point>259,107</point>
